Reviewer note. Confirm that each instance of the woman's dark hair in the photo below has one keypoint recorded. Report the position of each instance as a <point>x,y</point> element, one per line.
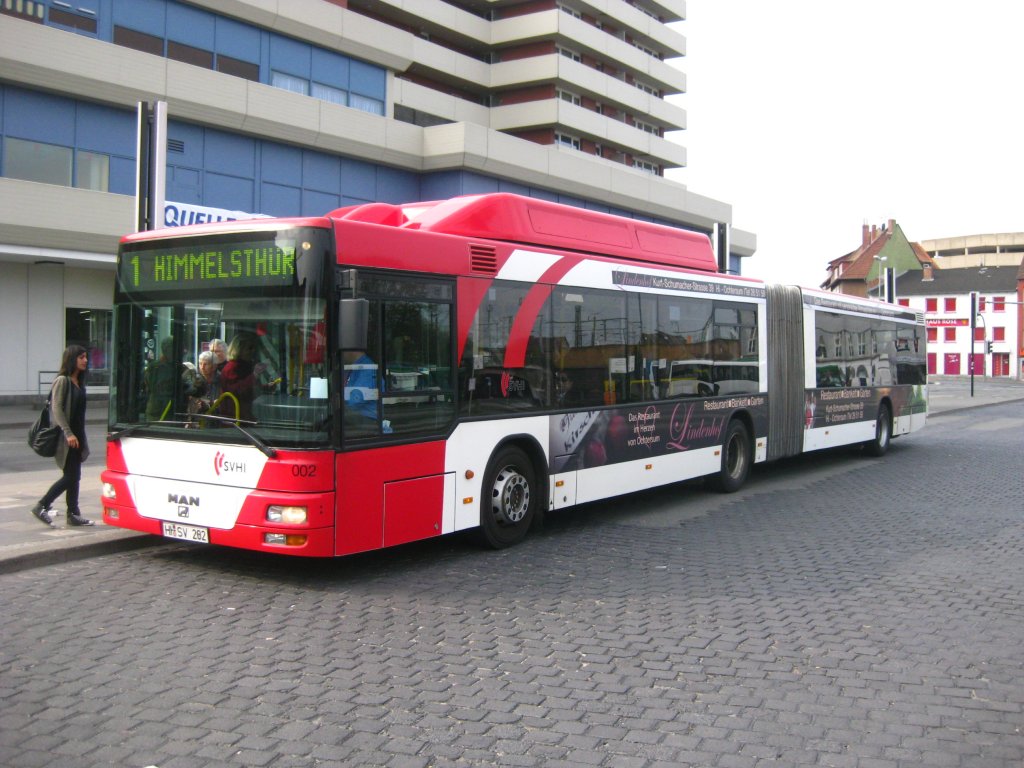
<point>69,362</point>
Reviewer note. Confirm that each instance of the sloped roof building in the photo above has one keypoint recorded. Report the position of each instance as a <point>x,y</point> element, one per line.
<point>857,272</point>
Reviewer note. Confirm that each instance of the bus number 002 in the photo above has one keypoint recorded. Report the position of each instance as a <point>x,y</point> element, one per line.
<point>304,470</point>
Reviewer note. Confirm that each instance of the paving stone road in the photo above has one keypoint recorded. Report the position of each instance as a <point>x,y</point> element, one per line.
<point>839,611</point>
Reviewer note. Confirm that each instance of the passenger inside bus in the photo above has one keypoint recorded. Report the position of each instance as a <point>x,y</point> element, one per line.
<point>361,395</point>
<point>240,378</point>
<point>204,388</point>
<point>159,381</point>
<point>566,393</point>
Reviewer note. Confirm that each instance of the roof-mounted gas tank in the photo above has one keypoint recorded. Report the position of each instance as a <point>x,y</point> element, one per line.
<point>530,221</point>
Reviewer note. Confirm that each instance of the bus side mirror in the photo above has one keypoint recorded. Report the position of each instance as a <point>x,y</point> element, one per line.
<point>353,319</point>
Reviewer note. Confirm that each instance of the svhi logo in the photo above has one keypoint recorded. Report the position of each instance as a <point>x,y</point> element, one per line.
<point>223,465</point>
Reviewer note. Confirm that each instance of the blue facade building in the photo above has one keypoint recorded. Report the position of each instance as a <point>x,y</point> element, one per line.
<point>296,112</point>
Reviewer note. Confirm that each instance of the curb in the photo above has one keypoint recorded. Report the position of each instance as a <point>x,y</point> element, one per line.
<point>971,407</point>
<point>72,552</point>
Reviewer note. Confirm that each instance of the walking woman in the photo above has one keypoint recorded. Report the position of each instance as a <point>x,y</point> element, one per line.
<point>67,410</point>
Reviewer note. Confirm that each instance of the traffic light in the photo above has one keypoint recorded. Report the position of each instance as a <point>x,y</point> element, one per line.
<point>988,347</point>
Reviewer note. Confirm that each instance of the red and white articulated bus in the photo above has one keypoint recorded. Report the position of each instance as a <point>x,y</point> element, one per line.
<point>399,372</point>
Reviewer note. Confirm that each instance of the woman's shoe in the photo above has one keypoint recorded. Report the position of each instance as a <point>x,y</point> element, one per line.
<point>76,519</point>
<point>43,514</point>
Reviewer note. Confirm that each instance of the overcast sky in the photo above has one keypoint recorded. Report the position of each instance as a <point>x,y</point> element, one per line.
<point>811,117</point>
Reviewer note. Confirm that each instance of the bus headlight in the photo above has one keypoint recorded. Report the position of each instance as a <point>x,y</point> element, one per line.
<point>282,514</point>
<point>109,492</point>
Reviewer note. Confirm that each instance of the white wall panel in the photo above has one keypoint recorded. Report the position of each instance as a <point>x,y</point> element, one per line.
<point>45,319</point>
<point>14,315</point>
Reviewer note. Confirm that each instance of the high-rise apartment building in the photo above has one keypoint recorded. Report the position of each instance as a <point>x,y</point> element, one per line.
<point>297,107</point>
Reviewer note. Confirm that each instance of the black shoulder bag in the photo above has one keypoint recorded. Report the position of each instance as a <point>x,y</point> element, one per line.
<point>43,436</point>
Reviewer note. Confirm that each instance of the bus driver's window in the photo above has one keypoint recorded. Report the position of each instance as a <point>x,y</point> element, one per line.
<point>361,382</point>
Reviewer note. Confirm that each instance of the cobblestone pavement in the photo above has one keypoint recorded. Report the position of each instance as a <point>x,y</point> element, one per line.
<point>839,611</point>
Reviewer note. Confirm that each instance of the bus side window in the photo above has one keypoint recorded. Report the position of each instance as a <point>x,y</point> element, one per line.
<point>361,382</point>
<point>407,363</point>
<point>589,343</point>
<point>493,380</point>
<point>829,352</point>
<point>417,395</point>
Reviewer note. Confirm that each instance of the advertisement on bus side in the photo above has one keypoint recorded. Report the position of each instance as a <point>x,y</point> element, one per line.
<point>830,407</point>
<point>584,439</point>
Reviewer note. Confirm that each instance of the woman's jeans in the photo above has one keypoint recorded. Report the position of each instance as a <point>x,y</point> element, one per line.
<point>68,483</point>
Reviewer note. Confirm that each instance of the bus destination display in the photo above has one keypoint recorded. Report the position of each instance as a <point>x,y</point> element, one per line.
<point>232,265</point>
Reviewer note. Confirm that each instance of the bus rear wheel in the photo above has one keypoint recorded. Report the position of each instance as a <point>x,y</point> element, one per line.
<point>736,459</point>
<point>509,498</point>
<point>883,433</point>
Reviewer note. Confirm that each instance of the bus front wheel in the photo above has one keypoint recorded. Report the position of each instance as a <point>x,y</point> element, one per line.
<point>883,433</point>
<point>509,498</point>
<point>736,459</point>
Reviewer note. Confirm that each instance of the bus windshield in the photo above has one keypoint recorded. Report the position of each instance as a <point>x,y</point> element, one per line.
<point>259,299</point>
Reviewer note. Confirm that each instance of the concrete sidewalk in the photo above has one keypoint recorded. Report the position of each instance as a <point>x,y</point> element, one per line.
<point>24,541</point>
<point>27,543</point>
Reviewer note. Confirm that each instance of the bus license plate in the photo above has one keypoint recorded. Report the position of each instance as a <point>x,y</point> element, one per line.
<point>186,532</point>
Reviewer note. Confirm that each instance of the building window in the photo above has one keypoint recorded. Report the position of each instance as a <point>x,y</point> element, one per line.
<point>79,20</point>
<point>646,127</point>
<point>53,164</point>
<point>571,11</point>
<point>238,68</point>
<point>949,304</point>
<point>998,303</point>
<point>366,104</point>
<point>981,303</point>
<point>647,88</point>
<point>189,54</point>
<point>950,334</point>
<point>931,305</point>
<point>570,54</point>
<point>933,335</point>
<point>643,165</point>
<point>92,171</point>
<point>979,334</point>
<point>368,77</point>
<point>998,334</point>
<point>565,140</point>
<point>28,10</point>
<point>570,97</point>
<point>138,41</point>
<point>903,302</point>
<point>649,51</point>
<point>290,82</point>
<point>644,10</point>
<point>35,161</point>
<point>328,93</point>
<point>91,328</point>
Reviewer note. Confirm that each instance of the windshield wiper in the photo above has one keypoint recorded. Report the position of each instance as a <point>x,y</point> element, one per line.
<point>270,452</point>
<point>115,436</point>
<point>266,449</point>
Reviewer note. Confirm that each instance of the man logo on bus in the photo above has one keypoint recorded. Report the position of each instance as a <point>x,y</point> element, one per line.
<point>218,462</point>
<point>184,502</point>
